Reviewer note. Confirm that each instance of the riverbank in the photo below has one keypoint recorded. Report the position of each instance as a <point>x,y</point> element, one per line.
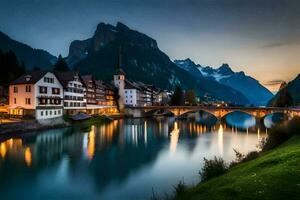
<point>273,175</point>
<point>20,127</point>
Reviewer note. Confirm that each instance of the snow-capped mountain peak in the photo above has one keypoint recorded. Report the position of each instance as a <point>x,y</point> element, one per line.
<point>225,75</point>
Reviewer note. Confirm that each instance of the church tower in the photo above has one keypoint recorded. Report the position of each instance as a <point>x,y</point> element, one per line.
<point>119,82</point>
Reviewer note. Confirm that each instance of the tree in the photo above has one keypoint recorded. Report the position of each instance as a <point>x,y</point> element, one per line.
<point>284,99</point>
<point>177,98</point>
<point>190,97</point>
<point>61,65</point>
<point>10,69</point>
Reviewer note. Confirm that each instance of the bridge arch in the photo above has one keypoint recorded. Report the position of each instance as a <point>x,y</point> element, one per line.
<point>239,111</point>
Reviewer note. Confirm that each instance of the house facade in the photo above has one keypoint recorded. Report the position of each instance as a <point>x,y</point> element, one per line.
<point>36,94</point>
<point>73,91</point>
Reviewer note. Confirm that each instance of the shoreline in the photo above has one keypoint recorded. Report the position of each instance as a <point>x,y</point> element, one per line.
<point>23,127</point>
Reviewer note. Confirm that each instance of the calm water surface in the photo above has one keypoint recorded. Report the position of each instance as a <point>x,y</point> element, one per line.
<point>123,159</point>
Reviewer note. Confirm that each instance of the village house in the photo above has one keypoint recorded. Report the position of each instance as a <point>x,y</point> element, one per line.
<point>36,94</point>
<point>74,92</point>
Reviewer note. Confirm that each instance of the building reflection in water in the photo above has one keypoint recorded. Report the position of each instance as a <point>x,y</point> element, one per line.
<point>91,143</point>
<point>108,157</point>
<point>174,136</point>
<point>28,156</point>
<point>220,139</point>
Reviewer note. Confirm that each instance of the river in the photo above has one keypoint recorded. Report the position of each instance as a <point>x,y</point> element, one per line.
<point>124,159</point>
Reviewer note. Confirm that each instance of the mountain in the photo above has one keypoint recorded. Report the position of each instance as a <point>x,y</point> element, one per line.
<point>142,60</point>
<point>256,93</point>
<point>31,57</point>
<point>293,88</point>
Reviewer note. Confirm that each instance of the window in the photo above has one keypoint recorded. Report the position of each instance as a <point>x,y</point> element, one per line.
<point>15,101</point>
<point>43,90</point>
<point>46,112</point>
<point>55,112</point>
<point>27,101</point>
<point>15,89</point>
<point>50,112</point>
<point>42,113</point>
<point>48,80</point>
<point>59,112</point>
<point>55,90</point>
<point>28,88</point>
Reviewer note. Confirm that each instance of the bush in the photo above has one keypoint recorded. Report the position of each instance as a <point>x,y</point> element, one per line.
<point>240,158</point>
<point>294,126</point>
<point>180,189</point>
<point>213,168</point>
<point>281,133</point>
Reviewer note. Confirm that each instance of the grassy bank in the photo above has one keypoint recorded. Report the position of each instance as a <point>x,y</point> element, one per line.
<point>91,121</point>
<point>274,175</point>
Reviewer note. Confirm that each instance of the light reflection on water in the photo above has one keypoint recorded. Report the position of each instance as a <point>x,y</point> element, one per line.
<point>123,159</point>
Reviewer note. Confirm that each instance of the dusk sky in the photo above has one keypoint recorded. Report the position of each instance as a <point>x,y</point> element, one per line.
<point>260,37</point>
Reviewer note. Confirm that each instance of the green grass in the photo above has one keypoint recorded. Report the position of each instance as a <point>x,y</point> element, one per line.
<point>273,175</point>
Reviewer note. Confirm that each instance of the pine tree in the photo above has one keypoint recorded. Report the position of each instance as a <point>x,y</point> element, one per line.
<point>61,65</point>
<point>190,97</point>
<point>177,98</point>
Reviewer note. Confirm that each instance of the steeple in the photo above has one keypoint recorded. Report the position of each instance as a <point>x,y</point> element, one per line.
<point>119,65</point>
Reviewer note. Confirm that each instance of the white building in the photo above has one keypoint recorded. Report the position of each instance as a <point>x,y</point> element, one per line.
<point>37,94</point>
<point>133,95</point>
<point>74,92</point>
<point>119,82</point>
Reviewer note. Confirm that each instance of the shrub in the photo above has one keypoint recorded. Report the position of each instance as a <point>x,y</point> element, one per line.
<point>213,168</point>
<point>294,126</point>
<point>180,189</point>
<point>280,133</point>
<point>240,158</point>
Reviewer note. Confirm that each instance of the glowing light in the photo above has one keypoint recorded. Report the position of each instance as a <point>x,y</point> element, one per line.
<point>220,139</point>
<point>145,132</point>
<point>3,150</point>
<point>174,138</point>
<point>28,156</point>
<point>91,143</point>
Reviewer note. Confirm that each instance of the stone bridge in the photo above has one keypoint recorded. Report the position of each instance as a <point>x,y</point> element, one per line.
<point>218,112</point>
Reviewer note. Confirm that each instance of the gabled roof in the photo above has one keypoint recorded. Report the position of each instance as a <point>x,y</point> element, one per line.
<point>131,85</point>
<point>29,77</point>
<point>109,86</point>
<point>87,78</point>
<point>65,77</point>
<point>120,72</point>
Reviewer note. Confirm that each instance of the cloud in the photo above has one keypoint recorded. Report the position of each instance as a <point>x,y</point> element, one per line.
<point>285,42</point>
<point>273,82</point>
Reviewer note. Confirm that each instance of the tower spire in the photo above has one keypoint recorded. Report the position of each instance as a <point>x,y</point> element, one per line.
<point>120,58</point>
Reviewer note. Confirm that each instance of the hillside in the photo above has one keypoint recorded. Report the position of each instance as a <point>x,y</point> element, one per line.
<point>293,88</point>
<point>31,57</point>
<point>274,175</point>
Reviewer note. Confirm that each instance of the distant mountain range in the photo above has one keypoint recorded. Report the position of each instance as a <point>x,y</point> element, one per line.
<point>294,89</point>
<point>256,93</point>
<point>142,60</point>
<point>31,57</point>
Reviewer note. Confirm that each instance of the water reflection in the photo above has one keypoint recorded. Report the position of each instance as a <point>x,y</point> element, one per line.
<point>123,159</point>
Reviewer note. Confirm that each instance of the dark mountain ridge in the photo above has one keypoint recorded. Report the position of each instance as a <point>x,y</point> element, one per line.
<point>31,57</point>
<point>142,60</point>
